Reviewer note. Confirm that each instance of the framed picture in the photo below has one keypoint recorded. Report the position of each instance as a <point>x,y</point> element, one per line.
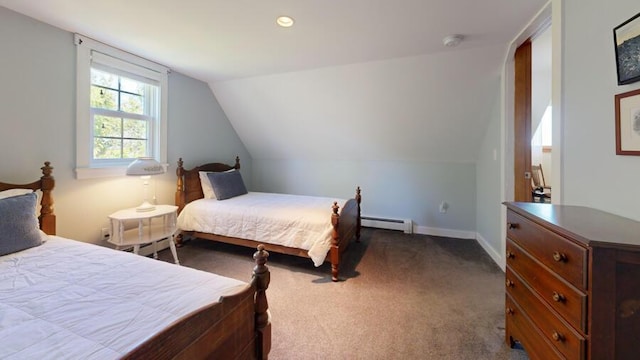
<point>626,37</point>
<point>628,123</point>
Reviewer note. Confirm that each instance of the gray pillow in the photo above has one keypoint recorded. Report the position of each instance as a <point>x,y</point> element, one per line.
<point>227,184</point>
<point>19,228</point>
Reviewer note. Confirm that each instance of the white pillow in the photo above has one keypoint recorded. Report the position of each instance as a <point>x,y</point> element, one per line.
<point>207,189</point>
<point>16,192</point>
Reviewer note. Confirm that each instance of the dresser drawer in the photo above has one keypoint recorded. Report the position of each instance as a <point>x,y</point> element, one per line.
<point>567,259</point>
<point>561,335</point>
<point>568,301</point>
<point>520,328</point>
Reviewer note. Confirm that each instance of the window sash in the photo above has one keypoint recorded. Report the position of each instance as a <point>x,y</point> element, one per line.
<point>147,138</point>
<point>149,116</point>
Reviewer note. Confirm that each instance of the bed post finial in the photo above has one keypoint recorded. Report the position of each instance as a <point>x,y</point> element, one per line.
<point>47,217</point>
<point>262,278</point>
<point>237,163</point>
<point>180,163</point>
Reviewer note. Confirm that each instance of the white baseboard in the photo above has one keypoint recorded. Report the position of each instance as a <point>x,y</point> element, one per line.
<point>496,256</point>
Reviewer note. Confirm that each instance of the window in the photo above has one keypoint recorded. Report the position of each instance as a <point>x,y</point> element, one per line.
<point>121,109</point>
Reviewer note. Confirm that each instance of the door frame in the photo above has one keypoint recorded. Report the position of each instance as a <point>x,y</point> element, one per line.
<point>540,21</point>
<point>522,60</point>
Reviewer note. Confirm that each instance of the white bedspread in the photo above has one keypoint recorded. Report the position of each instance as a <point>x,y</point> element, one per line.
<point>297,221</point>
<point>71,300</point>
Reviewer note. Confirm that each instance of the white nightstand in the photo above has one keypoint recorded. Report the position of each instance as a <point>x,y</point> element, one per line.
<point>152,226</point>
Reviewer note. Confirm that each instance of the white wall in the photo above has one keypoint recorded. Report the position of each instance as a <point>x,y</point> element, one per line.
<point>593,174</point>
<point>396,189</point>
<point>37,98</point>
<point>406,130</point>
<point>489,186</point>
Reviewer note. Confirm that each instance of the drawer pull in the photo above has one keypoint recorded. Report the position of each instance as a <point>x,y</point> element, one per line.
<point>558,297</point>
<point>557,336</point>
<point>510,254</point>
<point>512,226</point>
<point>559,257</point>
<point>509,283</point>
<point>509,311</point>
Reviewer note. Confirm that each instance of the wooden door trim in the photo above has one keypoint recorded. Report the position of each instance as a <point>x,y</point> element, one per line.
<point>522,122</point>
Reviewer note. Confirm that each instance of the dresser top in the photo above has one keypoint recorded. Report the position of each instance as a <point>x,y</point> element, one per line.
<point>589,226</point>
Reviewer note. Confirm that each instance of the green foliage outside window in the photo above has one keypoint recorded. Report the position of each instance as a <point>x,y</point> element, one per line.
<point>117,132</point>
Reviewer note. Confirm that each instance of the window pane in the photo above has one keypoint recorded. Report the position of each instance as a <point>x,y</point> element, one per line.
<point>105,148</point>
<point>132,103</point>
<point>135,129</point>
<point>104,98</point>
<point>131,86</point>
<point>104,79</point>
<point>134,148</point>
<point>106,126</point>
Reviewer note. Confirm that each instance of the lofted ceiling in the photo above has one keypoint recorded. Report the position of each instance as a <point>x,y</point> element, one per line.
<point>374,69</point>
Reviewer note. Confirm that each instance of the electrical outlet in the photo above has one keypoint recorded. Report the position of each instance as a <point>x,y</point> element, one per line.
<point>444,207</point>
<point>105,233</point>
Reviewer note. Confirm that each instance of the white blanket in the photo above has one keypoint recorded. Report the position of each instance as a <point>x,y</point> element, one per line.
<point>70,300</point>
<point>297,221</point>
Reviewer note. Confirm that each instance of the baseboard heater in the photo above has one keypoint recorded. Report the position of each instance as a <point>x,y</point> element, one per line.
<point>405,225</point>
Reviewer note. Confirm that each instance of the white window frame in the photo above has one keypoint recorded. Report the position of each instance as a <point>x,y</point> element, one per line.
<point>126,62</point>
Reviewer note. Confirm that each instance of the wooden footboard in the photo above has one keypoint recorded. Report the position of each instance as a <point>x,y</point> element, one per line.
<point>236,327</point>
<point>346,221</point>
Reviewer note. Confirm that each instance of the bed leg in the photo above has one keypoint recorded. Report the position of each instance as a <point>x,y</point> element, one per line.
<point>179,240</point>
<point>335,262</point>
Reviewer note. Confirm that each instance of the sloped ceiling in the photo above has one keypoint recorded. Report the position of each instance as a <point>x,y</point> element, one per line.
<point>428,107</point>
<point>362,79</point>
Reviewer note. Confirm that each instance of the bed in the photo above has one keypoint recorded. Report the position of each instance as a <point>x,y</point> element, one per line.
<point>61,298</point>
<point>322,232</point>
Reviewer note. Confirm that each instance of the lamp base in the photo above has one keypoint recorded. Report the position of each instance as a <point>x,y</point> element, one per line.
<point>146,206</point>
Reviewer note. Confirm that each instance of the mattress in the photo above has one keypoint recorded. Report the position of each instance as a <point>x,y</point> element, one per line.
<point>295,221</point>
<point>66,299</point>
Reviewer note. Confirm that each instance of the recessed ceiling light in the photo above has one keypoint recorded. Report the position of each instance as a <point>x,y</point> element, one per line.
<point>285,21</point>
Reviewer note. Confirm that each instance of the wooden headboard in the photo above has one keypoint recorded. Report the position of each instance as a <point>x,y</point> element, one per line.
<point>188,186</point>
<point>46,184</point>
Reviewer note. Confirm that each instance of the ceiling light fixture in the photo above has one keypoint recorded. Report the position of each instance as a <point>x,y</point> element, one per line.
<point>285,21</point>
<point>452,40</point>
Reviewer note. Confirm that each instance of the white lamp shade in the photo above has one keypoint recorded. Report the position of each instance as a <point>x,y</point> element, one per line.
<point>145,166</point>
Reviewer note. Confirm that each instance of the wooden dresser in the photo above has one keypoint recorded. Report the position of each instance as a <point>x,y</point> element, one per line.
<point>572,282</point>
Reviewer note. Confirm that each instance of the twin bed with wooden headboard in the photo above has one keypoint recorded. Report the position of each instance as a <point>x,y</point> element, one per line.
<point>61,298</point>
<point>319,228</point>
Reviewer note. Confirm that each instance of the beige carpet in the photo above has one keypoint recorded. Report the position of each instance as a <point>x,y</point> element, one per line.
<point>402,297</point>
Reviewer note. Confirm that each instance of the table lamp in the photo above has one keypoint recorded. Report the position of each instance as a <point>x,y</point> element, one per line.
<point>145,167</point>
